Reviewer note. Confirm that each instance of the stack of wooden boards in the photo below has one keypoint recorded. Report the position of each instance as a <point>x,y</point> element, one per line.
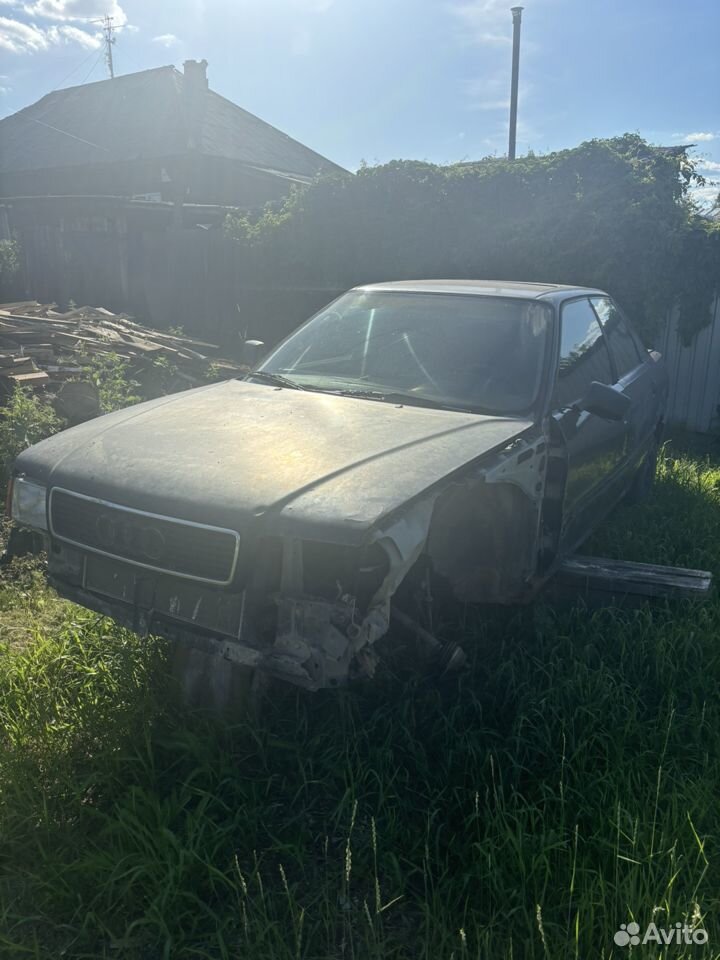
<point>41,346</point>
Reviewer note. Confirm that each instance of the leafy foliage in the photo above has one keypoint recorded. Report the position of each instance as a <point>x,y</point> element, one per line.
<point>9,260</point>
<point>165,376</point>
<point>9,268</point>
<point>23,421</point>
<point>614,213</point>
<point>113,379</point>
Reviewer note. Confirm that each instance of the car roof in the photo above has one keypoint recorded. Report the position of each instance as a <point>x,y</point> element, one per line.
<point>487,288</point>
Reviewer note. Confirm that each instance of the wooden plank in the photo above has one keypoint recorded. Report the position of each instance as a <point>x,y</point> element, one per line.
<point>622,578</point>
<point>60,341</point>
<point>24,336</point>
<point>61,372</point>
<point>75,340</point>
<point>21,318</point>
<point>135,343</point>
<point>159,336</point>
<point>19,305</point>
<point>34,379</point>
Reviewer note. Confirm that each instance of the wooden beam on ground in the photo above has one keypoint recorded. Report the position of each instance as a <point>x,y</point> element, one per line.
<point>600,578</point>
<point>37,378</point>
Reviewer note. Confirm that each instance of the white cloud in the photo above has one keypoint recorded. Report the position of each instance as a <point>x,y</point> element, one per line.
<point>487,92</point>
<point>19,37</point>
<point>76,10</point>
<point>166,39</point>
<point>475,26</point>
<point>67,34</point>
<point>492,92</point>
<point>698,137</point>
<point>701,137</point>
<point>489,24</point>
<point>710,165</point>
<point>706,196</point>
<point>486,22</point>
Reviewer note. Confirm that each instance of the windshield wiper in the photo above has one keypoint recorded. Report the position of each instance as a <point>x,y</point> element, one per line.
<point>276,379</point>
<point>407,399</point>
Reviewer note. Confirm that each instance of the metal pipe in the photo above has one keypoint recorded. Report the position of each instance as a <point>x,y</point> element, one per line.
<point>517,20</point>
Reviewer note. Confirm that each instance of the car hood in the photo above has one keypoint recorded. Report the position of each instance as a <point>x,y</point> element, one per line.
<point>240,454</point>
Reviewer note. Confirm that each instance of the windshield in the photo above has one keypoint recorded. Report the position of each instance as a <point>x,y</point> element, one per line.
<point>477,353</point>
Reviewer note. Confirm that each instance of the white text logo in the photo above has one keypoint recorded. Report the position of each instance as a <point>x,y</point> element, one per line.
<point>629,934</point>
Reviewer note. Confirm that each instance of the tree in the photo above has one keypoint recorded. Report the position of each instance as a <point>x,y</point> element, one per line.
<point>617,214</point>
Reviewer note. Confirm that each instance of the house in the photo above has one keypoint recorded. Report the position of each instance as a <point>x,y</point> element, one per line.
<point>117,192</point>
<point>155,135</point>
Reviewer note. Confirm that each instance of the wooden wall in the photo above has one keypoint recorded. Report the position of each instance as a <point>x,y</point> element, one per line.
<point>694,376</point>
<point>164,275</point>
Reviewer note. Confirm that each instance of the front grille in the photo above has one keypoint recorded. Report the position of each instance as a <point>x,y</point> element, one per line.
<point>156,542</point>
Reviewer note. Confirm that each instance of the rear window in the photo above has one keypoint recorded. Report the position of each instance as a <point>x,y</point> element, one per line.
<point>620,340</point>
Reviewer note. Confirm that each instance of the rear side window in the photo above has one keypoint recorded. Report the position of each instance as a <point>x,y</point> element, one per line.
<point>620,340</point>
<point>583,353</point>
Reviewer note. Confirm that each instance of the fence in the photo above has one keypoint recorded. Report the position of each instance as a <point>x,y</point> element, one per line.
<point>138,261</point>
<point>212,287</point>
<point>694,376</point>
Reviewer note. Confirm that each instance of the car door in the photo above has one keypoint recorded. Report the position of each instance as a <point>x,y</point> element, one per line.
<point>594,446</point>
<point>634,376</point>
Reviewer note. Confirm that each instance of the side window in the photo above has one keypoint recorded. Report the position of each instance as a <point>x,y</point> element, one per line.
<point>583,353</point>
<point>620,340</point>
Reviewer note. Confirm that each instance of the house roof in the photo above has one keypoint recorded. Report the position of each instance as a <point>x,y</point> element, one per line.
<point>141,116</point>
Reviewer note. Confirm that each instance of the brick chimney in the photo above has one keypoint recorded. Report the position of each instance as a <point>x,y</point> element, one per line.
<point>195,86</point>
<point>195,75</point>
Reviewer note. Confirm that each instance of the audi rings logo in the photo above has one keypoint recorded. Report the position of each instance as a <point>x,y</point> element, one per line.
<point>135,537</point>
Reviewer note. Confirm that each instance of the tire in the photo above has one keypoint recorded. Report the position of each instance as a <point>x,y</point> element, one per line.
<point>645,476</point>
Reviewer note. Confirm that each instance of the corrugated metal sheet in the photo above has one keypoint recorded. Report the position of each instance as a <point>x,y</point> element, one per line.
<point>694,376</point>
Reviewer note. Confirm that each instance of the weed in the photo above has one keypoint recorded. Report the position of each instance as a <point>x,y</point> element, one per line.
<point>565,784</point>
<point>25,419</point>
<point>112,376</point>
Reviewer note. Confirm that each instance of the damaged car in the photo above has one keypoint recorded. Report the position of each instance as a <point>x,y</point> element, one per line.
<point>411,438</point>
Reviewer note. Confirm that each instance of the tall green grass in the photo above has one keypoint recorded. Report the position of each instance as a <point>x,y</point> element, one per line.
<point>567,783</point>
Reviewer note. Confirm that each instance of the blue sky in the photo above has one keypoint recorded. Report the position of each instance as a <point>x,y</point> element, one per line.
<point>424,79</point>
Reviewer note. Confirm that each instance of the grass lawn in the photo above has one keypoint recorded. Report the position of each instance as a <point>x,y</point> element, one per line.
<point>567,783</point>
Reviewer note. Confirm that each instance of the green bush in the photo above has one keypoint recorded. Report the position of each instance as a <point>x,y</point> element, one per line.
<point>616,214</point>
<point>113,379</point>
<point>23,421</point>
<point>9,260</point>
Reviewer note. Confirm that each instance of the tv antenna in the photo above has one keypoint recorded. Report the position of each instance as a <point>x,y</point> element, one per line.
<point>109,39</point>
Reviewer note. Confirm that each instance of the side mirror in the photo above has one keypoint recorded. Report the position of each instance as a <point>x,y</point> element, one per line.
<point>605,402</point>
<point>252,351</point>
